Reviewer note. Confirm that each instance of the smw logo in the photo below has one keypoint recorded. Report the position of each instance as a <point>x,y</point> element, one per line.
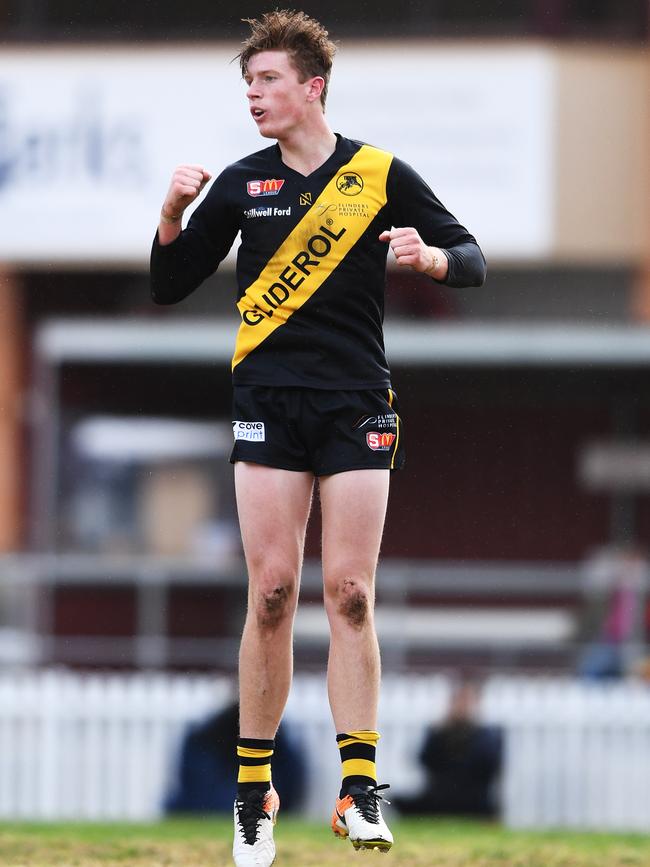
<point>380,442</point>
<point>268,187</point>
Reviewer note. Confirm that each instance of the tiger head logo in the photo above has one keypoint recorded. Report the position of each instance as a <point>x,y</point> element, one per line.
<point>349,183</point>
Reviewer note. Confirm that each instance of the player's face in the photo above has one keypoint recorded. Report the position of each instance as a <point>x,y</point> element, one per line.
<point>277,99</point>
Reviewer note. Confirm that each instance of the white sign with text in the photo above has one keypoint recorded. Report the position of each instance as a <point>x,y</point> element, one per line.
<point>89,138</point>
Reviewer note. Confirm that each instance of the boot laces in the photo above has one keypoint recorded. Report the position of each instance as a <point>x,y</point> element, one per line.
<point>249,814</point>
<point>367,802</point>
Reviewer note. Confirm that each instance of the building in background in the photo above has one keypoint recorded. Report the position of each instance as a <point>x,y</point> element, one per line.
<point>117,521</point>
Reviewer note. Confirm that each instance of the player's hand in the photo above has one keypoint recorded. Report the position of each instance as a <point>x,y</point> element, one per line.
<point>410,249</point>
<point>186,184</point>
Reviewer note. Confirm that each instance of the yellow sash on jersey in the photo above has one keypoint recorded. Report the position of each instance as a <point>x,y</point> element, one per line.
<point>314,248</point>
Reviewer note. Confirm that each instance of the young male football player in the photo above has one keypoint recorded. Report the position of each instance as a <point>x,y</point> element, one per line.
<point>312,396</point>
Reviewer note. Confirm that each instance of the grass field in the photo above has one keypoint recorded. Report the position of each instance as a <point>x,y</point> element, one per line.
<point>299,844</point>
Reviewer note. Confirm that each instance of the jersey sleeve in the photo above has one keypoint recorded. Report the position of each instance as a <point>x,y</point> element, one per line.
<point>177,269</point>
<point>413,203</point>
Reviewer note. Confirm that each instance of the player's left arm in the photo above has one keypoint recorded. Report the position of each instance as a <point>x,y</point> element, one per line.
<point>426,236</point>
<point>410,249</point>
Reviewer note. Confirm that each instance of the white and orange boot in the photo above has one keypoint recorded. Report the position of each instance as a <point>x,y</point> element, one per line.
<point>255,815</point>
<point>358,816</point>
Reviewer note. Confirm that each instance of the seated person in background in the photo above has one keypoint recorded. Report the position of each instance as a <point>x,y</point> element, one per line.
<point>463,760</point>
<point>206,771</point>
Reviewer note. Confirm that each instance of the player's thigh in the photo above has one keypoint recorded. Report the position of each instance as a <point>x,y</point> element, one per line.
<point>353,506</point>
<point>273,507</point>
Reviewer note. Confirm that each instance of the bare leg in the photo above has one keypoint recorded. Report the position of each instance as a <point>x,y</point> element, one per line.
<point>354,508</point>
<point>273,508</point>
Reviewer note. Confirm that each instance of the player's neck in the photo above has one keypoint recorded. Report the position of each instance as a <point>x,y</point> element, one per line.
<point>306,149</point>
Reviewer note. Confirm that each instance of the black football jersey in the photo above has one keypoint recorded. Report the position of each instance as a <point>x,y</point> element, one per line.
<point>310,267</point>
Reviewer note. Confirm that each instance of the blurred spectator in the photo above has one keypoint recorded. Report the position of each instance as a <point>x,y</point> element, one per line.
<point>611,626</point>
<point>463,760</point>
<point>206,771</point>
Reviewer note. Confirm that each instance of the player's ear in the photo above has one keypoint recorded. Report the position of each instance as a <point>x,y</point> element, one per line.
<point>316,86</point>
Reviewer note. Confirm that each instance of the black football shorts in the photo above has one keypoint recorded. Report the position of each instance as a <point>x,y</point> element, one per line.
<point>317,430</point>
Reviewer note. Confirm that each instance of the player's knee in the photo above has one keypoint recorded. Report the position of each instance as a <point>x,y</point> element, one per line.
<point>350,599</point>
<point>274,604</point>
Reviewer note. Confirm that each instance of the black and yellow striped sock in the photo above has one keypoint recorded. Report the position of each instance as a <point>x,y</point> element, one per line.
<point>358,751</point>
<point>254,757</point>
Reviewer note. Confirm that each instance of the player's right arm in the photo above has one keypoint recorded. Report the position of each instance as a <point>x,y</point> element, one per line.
<point>181,259</point>
<point>187,183</point>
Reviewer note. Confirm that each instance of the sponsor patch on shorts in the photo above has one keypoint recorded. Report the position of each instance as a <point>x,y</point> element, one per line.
<point>253,431</point>
<point>388,419</point>
<point>380,442</point>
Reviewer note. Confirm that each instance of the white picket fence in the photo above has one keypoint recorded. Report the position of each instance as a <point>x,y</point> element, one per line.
<point>103,747</point>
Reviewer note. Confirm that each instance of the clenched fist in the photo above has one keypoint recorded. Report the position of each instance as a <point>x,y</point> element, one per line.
<point>410,249</point>
<point>187,183</point>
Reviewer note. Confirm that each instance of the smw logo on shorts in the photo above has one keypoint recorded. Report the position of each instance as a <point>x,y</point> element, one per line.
<point>380,442</point>
<point>249,430</point>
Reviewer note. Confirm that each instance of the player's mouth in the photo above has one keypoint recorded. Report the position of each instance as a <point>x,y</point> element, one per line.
<point>258,113</point>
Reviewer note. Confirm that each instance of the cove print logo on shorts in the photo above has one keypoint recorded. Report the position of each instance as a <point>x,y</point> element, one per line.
<point>253,431</point>
<point>380,442</point>
<point>269,187</point>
